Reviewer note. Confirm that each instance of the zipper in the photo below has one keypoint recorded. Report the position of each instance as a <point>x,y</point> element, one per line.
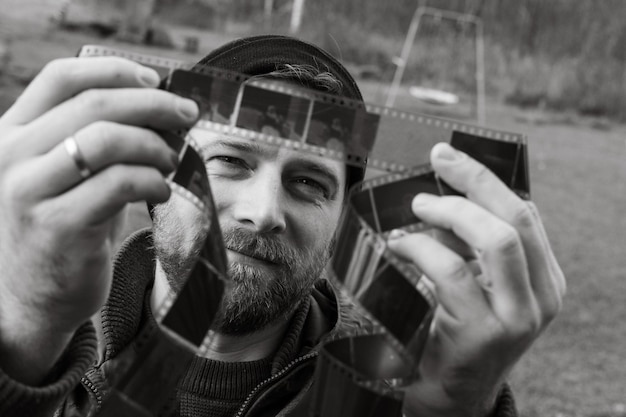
<point>91,387</point>
<point>246,404</point>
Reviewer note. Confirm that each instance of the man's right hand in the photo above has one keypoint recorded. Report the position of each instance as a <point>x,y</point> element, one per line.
<point>56,226</point>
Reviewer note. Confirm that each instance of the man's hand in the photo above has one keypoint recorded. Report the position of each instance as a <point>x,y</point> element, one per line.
<point>56,225</point>
<point>492,305</point>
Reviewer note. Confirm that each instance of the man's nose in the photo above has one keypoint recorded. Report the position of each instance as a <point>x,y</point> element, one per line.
<point>260,204</point>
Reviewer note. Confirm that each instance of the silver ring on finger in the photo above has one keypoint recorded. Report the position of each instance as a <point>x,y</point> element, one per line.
<point>71,146</point>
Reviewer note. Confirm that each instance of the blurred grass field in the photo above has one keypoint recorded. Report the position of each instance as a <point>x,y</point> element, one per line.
<point>578,180</point>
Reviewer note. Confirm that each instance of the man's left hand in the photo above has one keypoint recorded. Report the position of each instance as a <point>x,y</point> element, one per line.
<point>493,304</point>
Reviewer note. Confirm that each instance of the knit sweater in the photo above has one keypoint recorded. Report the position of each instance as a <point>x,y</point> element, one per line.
<point>218,389</point>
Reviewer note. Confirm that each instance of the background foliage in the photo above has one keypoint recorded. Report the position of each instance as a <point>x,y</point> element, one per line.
<point>557,54</point>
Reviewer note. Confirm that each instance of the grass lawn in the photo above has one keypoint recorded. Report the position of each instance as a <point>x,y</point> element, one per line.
<point>578,180</point>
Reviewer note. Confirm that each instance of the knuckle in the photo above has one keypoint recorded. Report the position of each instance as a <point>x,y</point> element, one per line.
<point>153,100</point>
<point>165,101</point>
<point>523,327</point>
<point>482,175</point>
<point>103,135</point>
<point>119,67</point>
<point>104,129</point>
<point>456,269</point>
<point>121,183</point>
<point>505,240</point>
<point>93,100</point>
<point>57,70</point>
<point>127,188</point>
<point>154,141</point>
<point>153,103</point>
<point>552,308</point>
<point>457,204</point>
<point>519,330</point>
<point>532,325</point>
<point>522,215</point>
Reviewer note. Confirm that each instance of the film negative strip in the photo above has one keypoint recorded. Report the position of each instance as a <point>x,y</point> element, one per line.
<point>163,66</point>
<point>371,367</point>
<point>144,379</point>
<point>188,313</point>
<point>387,140</point>
<point>344,374</point>
<point>361,374</point>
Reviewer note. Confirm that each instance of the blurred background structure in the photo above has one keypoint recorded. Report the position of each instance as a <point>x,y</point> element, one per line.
<point>554,70</point>
<point>558,55</point>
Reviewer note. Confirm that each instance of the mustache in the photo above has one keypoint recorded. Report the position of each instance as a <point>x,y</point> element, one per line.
<point>266,247</point>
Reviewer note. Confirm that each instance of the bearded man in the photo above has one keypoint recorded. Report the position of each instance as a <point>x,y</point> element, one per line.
<point>80,144</point>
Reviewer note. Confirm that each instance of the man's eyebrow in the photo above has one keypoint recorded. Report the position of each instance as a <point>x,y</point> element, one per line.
<point>248,147</point>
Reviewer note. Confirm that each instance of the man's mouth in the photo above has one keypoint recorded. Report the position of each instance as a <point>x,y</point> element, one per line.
<point>249,257</point>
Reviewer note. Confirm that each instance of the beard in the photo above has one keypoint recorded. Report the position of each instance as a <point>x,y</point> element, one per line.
<point>258,295</point>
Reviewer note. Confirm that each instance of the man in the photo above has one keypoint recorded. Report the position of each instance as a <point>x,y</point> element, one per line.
<point>79,144</point>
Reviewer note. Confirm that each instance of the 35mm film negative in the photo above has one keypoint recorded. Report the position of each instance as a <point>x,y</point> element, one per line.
<point>369,368</point>
<point>388,140</point>
<point>145,378</point>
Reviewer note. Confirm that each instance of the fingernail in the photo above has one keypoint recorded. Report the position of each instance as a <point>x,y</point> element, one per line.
<point>446,152</point>
<point>423,199</point>
<point>396,234</point>
<point>148,77</point>
<point>187,108</point>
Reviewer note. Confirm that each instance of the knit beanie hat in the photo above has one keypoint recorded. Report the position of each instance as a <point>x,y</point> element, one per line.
<point>258,55</point>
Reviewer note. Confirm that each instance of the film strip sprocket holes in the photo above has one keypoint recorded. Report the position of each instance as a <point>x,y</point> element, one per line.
<point>163,66</point>
<point>391,141</point>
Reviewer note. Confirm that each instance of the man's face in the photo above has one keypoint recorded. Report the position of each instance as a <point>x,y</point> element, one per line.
<point>278,210</point>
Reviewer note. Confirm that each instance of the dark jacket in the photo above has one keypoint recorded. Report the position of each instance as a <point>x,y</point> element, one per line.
<point>286,393</point>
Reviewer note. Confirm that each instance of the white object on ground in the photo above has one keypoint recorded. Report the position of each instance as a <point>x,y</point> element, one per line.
<point>433,96</point>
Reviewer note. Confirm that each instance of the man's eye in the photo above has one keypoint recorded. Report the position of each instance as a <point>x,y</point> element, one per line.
<point>229,160</point>
<point>312,187</point>
<point>226,165</point>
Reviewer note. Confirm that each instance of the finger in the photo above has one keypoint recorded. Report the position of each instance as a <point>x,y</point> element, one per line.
<point>472,178</point>
<point>64,78</point>
<point>139,107</point>
<point>102,197</point>
<point>497,244</point>
<point>457,290</point>
<point>452,241</point>
<point>101,145</point>
<point>560,282</point>
<point>484,188</point>
<point>547,278</point>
